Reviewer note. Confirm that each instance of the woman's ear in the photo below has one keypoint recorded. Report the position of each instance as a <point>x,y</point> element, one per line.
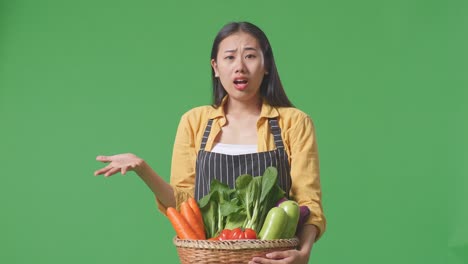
<point>214,65</point>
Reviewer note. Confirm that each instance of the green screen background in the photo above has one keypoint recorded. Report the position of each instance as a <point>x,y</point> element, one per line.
<point>384,81</point>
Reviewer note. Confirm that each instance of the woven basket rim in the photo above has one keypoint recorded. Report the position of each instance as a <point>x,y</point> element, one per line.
<point>236,244</point>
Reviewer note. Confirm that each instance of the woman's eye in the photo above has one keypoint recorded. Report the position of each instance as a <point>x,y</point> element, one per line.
<point>250,56</point>
<point>229,57</point>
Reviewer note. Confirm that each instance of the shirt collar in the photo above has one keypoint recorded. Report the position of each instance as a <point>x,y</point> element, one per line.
<point>268,111</point>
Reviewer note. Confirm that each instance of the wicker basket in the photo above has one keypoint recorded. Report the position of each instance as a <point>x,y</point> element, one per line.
<point>229,251</point>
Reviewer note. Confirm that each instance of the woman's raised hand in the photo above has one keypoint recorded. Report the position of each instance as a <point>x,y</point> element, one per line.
<point>121,162</point>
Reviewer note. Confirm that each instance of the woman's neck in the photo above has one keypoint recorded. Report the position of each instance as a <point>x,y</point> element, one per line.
<point>243,108</point>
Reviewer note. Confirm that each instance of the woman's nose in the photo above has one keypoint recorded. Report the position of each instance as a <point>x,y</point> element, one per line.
<point>240,65</point>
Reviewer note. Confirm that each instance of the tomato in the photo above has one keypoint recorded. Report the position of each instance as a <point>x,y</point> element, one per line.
<point>250,233</point>
<point>237,233</point>
<point>225,234</point>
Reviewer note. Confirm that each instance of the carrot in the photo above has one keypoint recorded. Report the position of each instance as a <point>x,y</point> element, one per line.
<point>194,205</point>
<point>182,228</point>
<point>191,218</point>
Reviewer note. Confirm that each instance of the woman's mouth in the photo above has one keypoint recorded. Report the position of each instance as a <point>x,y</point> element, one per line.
<point>240,84</point>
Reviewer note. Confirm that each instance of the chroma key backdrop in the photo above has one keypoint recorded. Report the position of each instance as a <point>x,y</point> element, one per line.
<point>385,83</point>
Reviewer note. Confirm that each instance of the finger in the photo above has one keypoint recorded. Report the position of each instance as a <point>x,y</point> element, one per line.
<point>102,171</point>
<point>104,158</point>
<point>279,254</point>
<point>111,172</point>
<point>124,170</point>
<point>259,260</point>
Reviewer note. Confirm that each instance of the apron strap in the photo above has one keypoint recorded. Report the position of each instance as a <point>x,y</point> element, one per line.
<point>276,131</point>
<point>206,134</point>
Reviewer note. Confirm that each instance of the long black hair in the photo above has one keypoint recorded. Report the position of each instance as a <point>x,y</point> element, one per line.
<point>271,88</point>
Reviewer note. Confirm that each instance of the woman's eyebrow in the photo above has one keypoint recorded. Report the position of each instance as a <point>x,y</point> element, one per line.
<point>246,48</point>
<point>250,48</point>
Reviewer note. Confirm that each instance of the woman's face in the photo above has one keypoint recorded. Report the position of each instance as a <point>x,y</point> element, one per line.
<point>240,66</point>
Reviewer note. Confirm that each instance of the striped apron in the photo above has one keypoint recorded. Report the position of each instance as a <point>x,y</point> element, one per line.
<point>226,168</point>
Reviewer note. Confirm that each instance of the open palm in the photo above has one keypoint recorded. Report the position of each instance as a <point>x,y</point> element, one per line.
<point>121,162</point>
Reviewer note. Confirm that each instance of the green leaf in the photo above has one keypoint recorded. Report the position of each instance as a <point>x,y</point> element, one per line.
<point>243,181</point>
<point>235,220</point>
<point>270,177</point>
<point>217,186</point>
<point>242,188</point>
<point>209,214</point>
<point>204,200</point>
<point>230,207</point>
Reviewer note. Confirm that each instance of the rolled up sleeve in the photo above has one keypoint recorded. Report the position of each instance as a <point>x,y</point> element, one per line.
<point>183,164</point>
<point>306,189</point>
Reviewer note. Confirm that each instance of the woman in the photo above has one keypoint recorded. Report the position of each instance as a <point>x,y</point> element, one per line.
<point>250,126</point>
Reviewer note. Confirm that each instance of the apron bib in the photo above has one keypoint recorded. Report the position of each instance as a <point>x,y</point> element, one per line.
<point>226,168</point>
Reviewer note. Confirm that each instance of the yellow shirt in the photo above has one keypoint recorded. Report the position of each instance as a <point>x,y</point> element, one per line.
<point>297,131</point>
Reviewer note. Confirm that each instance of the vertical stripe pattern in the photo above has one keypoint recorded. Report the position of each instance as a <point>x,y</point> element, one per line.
<point>226,168</point>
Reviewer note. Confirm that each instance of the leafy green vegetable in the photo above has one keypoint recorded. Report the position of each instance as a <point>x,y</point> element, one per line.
<point>260,195</point>
<point>244,206</point>
<point>215,206</point>
<point>269,181</point>
<point>209,217</point>
<point>235,220</point>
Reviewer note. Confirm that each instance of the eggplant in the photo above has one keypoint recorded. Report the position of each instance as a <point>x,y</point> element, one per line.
<point>304,213</point>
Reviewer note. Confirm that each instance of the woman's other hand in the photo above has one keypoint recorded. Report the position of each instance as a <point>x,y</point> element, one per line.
<point>287,256</point>
<point>306,240</point>
<point>120,162</point>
